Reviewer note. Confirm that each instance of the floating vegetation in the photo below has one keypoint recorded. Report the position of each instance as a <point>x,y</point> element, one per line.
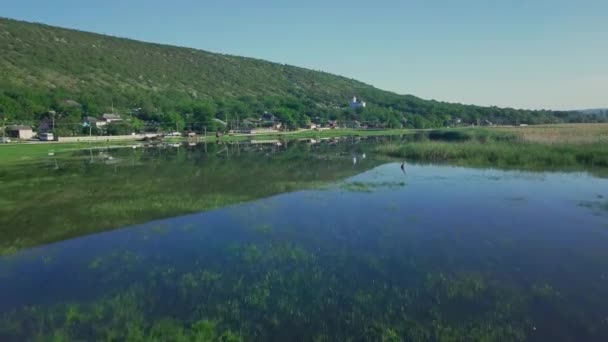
<point>358,186</point>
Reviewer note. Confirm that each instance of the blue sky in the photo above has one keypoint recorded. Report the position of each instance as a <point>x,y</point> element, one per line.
<point>524,54</point>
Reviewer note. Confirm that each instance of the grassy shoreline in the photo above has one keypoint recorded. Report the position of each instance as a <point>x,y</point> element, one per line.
<point>532,147</point>
<point>538,148</point>
<point>529,156</point>
<point>24,152</point>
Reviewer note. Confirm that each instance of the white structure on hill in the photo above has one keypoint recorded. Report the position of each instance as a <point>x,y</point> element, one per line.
<point>354,104</point>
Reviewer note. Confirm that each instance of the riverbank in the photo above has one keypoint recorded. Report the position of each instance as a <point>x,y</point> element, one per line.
<point>26,151</point>
<point>531,147</point>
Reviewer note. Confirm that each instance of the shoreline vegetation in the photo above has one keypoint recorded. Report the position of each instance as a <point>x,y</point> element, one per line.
<point>532,148</point>
<point>528,148</point>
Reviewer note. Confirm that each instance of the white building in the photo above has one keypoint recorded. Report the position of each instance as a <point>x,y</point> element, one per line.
<point>108,118</point>
<point>354,104</point>
<point>20,132</point>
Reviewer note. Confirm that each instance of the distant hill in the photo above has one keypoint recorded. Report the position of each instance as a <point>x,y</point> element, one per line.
<point>597,111</point>
<point>50,72</point>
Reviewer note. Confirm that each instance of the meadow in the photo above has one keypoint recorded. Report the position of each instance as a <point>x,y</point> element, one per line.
<point>596,133</point>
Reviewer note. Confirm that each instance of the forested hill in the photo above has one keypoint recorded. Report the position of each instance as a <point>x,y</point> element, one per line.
<point>76,74</point>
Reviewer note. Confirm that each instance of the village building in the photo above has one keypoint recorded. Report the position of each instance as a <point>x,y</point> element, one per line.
<point>20,132</point>
<point>355,103</point>
<point>91,121</point>
<point>108,118</point>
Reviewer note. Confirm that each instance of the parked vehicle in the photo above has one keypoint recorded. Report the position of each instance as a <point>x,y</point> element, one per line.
<point>5,140</point>
<point>46,137</point>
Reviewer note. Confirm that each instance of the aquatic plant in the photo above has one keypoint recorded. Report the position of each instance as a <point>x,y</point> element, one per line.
<point>359,186</point>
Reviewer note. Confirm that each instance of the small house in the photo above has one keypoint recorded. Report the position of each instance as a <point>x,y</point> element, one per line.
<point>108,118</point>
<point>20,132</point>
<point>90,121</point>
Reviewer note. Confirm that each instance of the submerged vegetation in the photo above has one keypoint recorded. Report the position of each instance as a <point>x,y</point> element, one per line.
<point>358,186</point>
<point>276,291</point>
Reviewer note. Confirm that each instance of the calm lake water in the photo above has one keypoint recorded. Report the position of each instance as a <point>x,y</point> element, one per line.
<point>325,242</point>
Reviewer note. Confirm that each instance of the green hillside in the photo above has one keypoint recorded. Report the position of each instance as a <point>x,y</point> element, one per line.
<point>77,74</point>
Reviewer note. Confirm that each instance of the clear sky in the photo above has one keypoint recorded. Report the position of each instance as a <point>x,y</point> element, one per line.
<point>512,53</point>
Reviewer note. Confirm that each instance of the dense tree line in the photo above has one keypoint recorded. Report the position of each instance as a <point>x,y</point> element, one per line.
<point>64,75</point>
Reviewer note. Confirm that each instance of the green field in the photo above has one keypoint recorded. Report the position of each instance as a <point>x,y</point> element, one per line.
<point>26,152</point>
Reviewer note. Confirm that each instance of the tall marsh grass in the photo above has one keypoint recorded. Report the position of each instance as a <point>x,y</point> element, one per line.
<point>479,147</point>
